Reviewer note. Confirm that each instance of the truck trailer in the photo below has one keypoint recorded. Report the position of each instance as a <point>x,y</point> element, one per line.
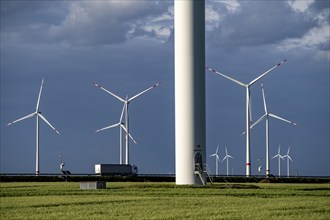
<point>116,169</point>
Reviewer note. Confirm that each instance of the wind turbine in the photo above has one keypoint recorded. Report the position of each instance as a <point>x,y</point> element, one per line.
<point>217,160</point>
<point>288,158</point>
<point>121,126</point>
<point>279,160</point>
<point>126,103</point>
<point>227,158</point>
<point>248,113</point>
<point>266,116</point>
<point>38,115</point>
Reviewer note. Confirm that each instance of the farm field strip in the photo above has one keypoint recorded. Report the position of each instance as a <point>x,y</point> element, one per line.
<point>128,200</point>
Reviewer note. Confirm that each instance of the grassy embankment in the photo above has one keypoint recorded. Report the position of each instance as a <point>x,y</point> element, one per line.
<point>164,201</point>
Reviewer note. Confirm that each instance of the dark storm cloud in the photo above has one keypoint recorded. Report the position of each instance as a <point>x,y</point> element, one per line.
<point>17,14</point>
<point>79,22</point>
<point>28,21</point>
<point>325,46</point>
<point>259,23</point>
<point>100,23</point>
<point>320,5</point>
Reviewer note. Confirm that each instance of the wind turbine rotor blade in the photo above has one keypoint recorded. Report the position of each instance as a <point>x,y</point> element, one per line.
<point>227,77</point>
<point>122,113</point>
<point>114,95</point>
<point>288,151</point>
<point>250,110</point>
<point>275,156</point>
<point>123,127</point>
<point>290,158</point>
<point>264,98</point>
<point>282,119</point>
<point>216,152</point>
<point>213,155</point>
<point>20,119</point>
<point>230,156</point>
<point>105,128</point>
<point>262,75</point>
<point>130,136</point>
<point>224,158</point>
<point>43,118</point>
<point>144,91</point>
<point>258,121</point>
<point>42,82</point>
<point>217,157</point>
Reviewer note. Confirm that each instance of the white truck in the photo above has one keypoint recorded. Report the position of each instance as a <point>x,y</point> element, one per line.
<point>116,169</point>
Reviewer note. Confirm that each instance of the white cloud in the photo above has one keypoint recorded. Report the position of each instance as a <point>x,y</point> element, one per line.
<point>212,17</point>
<point>318,37</point>
<point>258,23</point>
<point>216,11</point>
<point>155,27</point>
<point>97,22</point>
<point>301,5</point>
<point>232,6</point>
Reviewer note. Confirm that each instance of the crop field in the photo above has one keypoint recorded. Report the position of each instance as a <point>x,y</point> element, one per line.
<point>128,200</point>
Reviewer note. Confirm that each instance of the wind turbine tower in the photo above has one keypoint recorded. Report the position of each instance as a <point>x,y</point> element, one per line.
<point>190,137</point>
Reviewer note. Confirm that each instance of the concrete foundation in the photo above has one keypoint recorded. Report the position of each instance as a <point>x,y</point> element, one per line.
<point>93,185</point>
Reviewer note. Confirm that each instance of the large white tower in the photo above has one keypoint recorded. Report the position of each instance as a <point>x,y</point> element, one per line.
<point>190,140</point>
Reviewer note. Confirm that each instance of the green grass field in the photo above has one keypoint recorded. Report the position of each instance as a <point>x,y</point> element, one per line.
<point>60,200</point>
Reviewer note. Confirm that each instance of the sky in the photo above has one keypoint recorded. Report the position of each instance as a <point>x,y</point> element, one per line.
<point>127,46</point>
